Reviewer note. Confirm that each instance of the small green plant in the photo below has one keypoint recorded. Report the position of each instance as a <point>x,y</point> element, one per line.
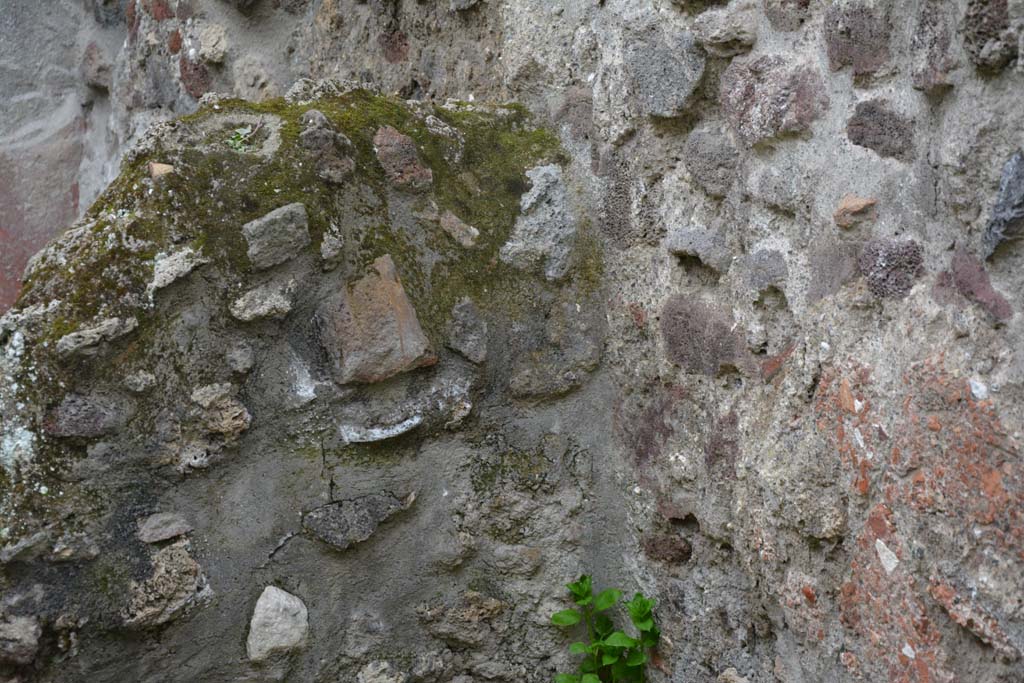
<point>241,138</point>
<point>610,655</point>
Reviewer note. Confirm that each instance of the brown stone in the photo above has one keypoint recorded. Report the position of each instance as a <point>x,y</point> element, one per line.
<point>876,126</point>
<point>370,330</point>
<point>854,210</point>
<point>972,281</point>
<point>931,47</point>
<point>195,77</point>
<point>857,34</point>
<point>667,548</point>
<point>401,162</point>
<point>174,43</point>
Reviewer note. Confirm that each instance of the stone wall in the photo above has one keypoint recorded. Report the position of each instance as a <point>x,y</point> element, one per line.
<point>730,319</point>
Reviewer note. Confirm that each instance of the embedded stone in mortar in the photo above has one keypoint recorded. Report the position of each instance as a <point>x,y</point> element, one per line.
<point>370,330</point>
<point>771,95</point>
<point>400,160</point>
<point>545,229</point>
<point>85,341</point>
<point>272,300</point>
<point>162,526</point>
<point>1007,219</point>
<point>344,523</point>
<point>168,268</point>
<point>278,236</point>
<point>279,624</point>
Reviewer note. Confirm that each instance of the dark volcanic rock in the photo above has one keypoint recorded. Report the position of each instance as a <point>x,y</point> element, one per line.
<point>1007,217</point>
<point>988,38</point>
<point>857,34</point>
<point>876,126</point>
<point>711,157</point>
<point>87,416</point>
<point>891,266</point>
<point>345,523</point>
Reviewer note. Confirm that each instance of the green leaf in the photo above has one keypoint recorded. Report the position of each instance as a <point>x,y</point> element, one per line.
<point>650,638</point>
<point>636,658</point>
<point>590,678</point>
<point>606,599</point>
<point>567,678</point>
<point>621,672</point>
<point>567,617</point>
<point>639,607</point>
<point>609,658</point>
<point>644,624</point>
<point>588,665</point>
<point>620,639</point>
<point>578,649</point>
<point>603,625</point>
<point>581,588</point>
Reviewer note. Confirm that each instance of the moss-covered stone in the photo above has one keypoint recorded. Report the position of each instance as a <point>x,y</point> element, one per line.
<point>101,268</point>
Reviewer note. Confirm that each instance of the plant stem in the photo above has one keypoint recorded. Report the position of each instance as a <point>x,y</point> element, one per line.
<point>590,630</point>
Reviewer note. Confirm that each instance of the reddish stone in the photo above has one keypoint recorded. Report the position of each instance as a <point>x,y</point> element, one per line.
<point>972,281</point>
<point>771,96</point>
<point>174,42</point>
<point>131,18</point>
<point>401,161</point>
<point>857,34</point>
<point>159,10</point>
<point>639,315</point>
<point>195,78</point>
<point>370,331</point>
<point>809,595</point>
<point>771,366</point>
<point>841,423</point>
<point>882,612</point>
<point>853,210</point>
<point>395,46</point>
